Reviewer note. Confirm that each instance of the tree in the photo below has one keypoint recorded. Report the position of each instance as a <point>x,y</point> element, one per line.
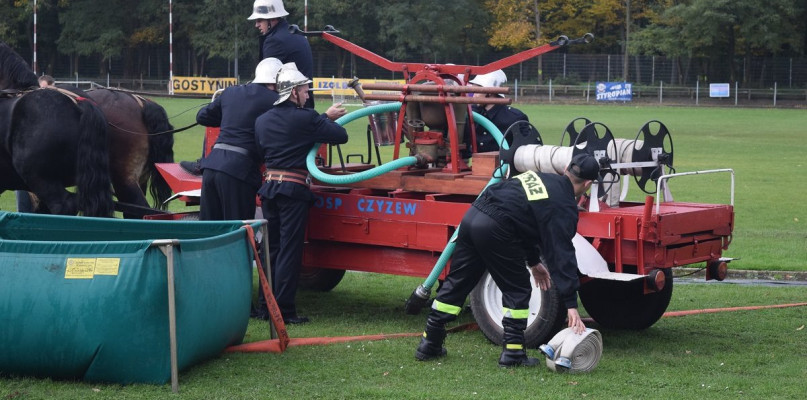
<point>719,30</point>
<point>447,31</point>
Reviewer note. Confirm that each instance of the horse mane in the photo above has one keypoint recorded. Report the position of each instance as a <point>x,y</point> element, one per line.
<point>15,73</point>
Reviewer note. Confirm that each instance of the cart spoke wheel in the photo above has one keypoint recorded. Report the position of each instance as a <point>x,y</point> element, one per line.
<point>320,279</point>
<point>624,305</point>
<point>545,319</point>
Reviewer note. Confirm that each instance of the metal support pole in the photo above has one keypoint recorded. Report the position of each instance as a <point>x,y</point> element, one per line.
<point>33,65</point>
<point>660,91</point>
<point>774,94</point>
<point>735,93</point>
<point>564,65</point>
<point>167,247</point>
<point>170,47</point>
<point>697,90</point>
<point>790,74</point>
<point>550,90</point>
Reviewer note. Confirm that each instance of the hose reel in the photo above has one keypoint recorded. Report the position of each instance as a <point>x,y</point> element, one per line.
<point>650,151</point>
<point>596,140</point>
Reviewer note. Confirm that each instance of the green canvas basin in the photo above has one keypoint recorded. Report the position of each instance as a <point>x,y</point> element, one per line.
<point>88,298</point>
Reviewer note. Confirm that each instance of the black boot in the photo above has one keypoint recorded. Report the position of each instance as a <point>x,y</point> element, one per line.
<point>431,344</point>
<point>513,352</point>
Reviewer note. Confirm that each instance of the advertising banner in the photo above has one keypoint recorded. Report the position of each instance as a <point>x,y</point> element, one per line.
<point>719,90</point>
<point>339,86</point>
<point>200,85</point>
<point>614,91</point>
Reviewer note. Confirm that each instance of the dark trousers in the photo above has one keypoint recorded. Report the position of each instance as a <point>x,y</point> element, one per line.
<point>486,244</point>
<point>287,219</point>
<point>225,197</point>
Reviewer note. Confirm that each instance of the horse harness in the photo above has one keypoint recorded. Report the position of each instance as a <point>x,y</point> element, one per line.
<point>15,93</point>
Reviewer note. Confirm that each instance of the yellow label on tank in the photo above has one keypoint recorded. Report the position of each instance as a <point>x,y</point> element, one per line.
<point>107,266</point>
<point>79,268</point>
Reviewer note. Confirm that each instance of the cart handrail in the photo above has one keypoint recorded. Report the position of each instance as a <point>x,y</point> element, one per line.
<point>662,180</point>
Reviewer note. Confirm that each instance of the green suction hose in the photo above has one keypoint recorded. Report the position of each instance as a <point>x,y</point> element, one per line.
<point>364,175</point>
<point>421,295</point>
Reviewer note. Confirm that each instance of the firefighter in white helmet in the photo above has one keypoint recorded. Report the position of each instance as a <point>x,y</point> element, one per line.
<point>231,171</point>
<point>276,40</point>
<point>285,135</point>
<point>500,115</point>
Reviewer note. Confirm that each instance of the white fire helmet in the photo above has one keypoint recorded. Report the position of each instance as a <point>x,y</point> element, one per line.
<point>491,79</point>
<point>267,9</point>
<point>266,71</point>
<point>289,78</point>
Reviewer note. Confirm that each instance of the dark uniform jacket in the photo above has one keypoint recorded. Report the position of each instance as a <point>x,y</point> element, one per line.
<point>235,112</point>
<point>285,135</point>
<point>542,210</point>
<point>502,116</point>
<point>286,47</point>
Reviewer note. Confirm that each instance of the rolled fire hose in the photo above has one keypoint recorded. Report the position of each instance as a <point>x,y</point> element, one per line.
<point>539,158</point>
<point>569,352</point>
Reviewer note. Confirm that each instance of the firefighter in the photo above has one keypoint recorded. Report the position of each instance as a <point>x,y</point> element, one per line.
<point>231,172</point>
<point>276,40</point>
<point>501,115</point>
<point>286,134</point>
<point>529,219</point>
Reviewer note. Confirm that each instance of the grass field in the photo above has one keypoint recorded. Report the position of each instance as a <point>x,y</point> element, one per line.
<point>765,147</point>
<point>749,354</point>
<point>746,354</point>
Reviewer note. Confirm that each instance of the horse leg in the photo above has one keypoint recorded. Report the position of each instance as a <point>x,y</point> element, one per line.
<point>24,202</point>
<point>129,192</point>
<point>54,199</point>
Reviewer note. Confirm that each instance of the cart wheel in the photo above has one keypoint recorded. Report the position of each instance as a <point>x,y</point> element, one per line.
<point>320,279</point>
<point>623,305</point>
<point>544,321</point>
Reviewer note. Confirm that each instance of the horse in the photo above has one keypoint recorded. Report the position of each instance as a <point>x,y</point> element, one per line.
<point>50,141</point>
<point>140,135</point>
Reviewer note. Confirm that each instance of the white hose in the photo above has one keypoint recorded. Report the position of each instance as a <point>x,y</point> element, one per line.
<point>569,352</point>
<point>624,154</point>
<point>549,159</point>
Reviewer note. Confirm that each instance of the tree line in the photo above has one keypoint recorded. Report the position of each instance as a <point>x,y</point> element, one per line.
<point>136,33</point>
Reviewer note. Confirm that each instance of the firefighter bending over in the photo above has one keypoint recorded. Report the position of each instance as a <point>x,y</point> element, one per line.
<point>530,217</point>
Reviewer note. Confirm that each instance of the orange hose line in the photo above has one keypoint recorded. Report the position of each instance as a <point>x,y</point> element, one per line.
<point>717,310</point>
<point>273,345</point>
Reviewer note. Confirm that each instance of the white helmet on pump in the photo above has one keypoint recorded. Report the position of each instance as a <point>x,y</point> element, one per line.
<point>267,9</point>
<point>289,78</point>
<point>491,79</point>
<point>266,71</point>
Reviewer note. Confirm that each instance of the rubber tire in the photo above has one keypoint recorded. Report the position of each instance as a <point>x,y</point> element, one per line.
<point>545,320</point>
<point>320,279</point>
<point>623,305</point>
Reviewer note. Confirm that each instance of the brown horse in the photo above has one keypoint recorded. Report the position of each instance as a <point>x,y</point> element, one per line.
<point>139,136</point>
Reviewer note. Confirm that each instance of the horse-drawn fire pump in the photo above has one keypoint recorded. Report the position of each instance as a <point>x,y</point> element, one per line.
<point>399,218</point>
